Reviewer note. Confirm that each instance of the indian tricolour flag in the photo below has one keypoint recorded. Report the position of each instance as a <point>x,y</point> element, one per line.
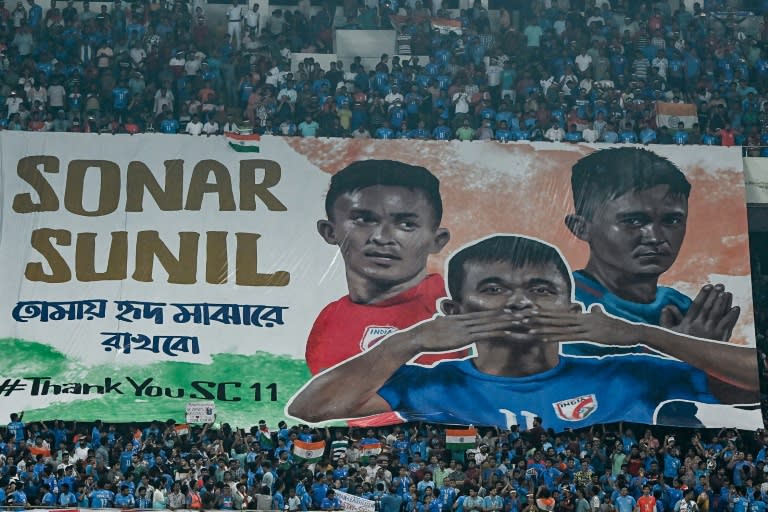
<point>310,452</point>
<point>265,439</point>
<point>182,429</point>
<point>460,439</point>
<point>446,25</point>
<point>669,114</point>
<point>243,143</point>
<point>370,448</point>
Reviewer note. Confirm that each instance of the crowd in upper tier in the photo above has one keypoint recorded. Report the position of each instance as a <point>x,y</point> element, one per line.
<point>539,70</point>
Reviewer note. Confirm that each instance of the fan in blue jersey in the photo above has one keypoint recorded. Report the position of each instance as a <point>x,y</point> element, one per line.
<point>647,134</point>
<point>512,297</point>
<point>628,136</point>
<point>432,68</point>
<point>384,132</point>
<point>681,135</point>
<point>503,133</point>
<point>121,96</point>
<point>441,131</point>
<point>420,132</point>
<point>710,139</point>
<point>631,207</point>
<point>15,429</point>
<point>169,124</point>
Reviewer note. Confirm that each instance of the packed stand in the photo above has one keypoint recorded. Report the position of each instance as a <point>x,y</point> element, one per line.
<point>583,74</point>
<point>406,468</point>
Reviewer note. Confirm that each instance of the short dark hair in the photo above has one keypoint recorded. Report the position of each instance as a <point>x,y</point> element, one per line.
<point>368,173</point>
<point>610,173</point>
<point>515,249</point>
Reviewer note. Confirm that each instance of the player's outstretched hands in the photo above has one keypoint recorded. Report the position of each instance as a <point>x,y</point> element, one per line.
<point>711,315</point>
<point>452,332</point>
<point>568,325</point>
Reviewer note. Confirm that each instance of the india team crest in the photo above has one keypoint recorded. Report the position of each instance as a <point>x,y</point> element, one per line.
<point>576,409</point>
<point>373,333</point>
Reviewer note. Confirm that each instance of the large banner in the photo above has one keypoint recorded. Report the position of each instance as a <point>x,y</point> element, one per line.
<point>374,281</point>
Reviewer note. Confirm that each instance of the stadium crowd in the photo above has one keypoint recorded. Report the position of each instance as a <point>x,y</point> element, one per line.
<point>405,468</point>
<point>544,70</point>
<point>586,73</point>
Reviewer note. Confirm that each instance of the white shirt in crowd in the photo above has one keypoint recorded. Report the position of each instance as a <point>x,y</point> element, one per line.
<point>194,128</point>
<point>211,128</point>
<point>554,134</point>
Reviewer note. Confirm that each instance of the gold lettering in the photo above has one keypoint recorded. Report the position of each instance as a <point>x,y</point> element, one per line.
<point>28,170</point>
<point>250,189</point>
<point>109,189</point>
<point>216,264</point>
<point>85,258</point>
<point>199,185</point>
<point>246,273</point>
<point>41,241</point>
<point>181,270</point>
<point>170,197</point>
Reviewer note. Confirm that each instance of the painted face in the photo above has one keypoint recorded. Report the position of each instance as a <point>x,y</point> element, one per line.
<point>639,233</point>
<point>385,233</point>
<point>502,285</point>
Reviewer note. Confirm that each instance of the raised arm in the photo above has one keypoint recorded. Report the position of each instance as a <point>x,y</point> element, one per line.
<point>728,363</point>
<point>350,389</point>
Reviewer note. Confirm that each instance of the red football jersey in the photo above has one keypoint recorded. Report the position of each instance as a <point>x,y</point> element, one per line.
<point>344,329</point>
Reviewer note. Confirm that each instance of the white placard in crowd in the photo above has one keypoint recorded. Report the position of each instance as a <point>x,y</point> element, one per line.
<point>201,412</point>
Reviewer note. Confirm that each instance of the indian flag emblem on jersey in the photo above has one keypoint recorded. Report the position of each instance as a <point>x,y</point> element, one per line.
<point>374,333</point>
<point>576,409</point>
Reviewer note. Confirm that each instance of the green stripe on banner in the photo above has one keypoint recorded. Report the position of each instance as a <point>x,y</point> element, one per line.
<point>42,360</point>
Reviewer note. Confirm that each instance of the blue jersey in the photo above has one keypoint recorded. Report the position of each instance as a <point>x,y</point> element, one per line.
<point>625,503</point>
<point>102,498</point>
<point>417,133</point>
<point>119,102</point>
<point>278,501</point>
<point>443,56</point>
<point>49,499</point>
<point>381,81</point>
<point>396,117</point>
<point>169,126</point>
<point>628,137</point>
<point>589,292</point>
<point>578,392</point>
<point>503,135</point>
<point>384,133</point>
<point>442,133</point>
<point>680,137</point>
<point>647,135</point>
<point>16,428</point>
<point>488,113</point>
<point>35,15</point>
<point>124,501</point>
<point>740,504</point>
<point>572,136</point>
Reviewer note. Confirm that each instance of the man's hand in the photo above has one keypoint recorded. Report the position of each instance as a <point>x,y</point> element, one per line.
<point>711,315</point>
<point>452,332</point>
<point>596,326</point>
